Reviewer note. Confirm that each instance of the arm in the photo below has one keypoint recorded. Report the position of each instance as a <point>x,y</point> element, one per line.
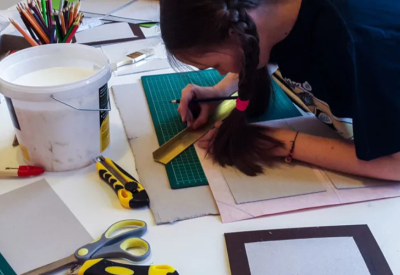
<point>338,155</point>
<point>228,85</point>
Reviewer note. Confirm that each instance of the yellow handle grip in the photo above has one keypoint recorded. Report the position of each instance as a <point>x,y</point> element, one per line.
<point>106,267</point>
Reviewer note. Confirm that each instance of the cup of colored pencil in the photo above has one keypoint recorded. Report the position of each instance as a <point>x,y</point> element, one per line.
<point>46,25</point>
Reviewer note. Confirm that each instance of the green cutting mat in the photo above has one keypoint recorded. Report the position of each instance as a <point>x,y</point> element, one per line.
<point>186,170</point>
<point>5,268</point>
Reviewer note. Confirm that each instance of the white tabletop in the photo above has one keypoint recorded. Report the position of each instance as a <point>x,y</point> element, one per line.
<point>196,246</point>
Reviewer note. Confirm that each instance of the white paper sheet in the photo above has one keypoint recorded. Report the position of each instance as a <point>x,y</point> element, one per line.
<point>107,32</point>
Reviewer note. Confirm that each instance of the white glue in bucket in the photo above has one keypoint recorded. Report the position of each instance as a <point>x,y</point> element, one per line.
<point>59,103</point>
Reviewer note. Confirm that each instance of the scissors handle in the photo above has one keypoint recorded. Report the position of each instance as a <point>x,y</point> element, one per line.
<point>86,252</point>
<point>105,267</point>
<point>119,250</point>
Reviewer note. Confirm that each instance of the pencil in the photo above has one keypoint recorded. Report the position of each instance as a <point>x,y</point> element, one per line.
<point>65,4</point>
<point>59,28</point>
<point>52,32</point>
<point>66,18</point>
<point>28,25</point>
<point>70,16</point>
<point>25,12</point>
<point>40,22</point>
<point>49,19</point>
<point>64,30</point>
<point>24,33</point>
<point>70,35</point>
<point>36,27</point>
<point>61,6</point>
<point>77,8</point>
<point>204,100</point>
<point>44,12</point>
<point>39,15</point>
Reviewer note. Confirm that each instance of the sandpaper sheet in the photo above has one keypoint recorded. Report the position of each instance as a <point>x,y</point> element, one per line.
<point>167,205</point>
<point>37,228</point>
<point>280,181</point>
<point>331,250</point>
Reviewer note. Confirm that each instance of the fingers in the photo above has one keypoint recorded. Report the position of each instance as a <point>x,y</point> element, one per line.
<point>187,95</point>
<point>202,118</point>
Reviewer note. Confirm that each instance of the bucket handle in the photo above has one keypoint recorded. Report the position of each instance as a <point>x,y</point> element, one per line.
<point>82,109</point>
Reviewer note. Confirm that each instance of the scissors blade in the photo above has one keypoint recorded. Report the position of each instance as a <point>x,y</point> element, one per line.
<point>44,270</point>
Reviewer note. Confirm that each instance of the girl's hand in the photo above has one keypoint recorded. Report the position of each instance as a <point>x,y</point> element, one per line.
<point>192,92</point>
<point>204,142</point>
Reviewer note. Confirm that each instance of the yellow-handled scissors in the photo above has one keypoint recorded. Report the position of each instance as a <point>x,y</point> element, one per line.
<point>108,246</point>
<point>130,192</point>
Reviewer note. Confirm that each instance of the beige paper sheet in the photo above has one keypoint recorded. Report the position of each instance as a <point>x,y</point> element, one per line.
<point>166,204</point>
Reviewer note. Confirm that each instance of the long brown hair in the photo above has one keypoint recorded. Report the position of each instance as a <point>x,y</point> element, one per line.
<point>188,24</point>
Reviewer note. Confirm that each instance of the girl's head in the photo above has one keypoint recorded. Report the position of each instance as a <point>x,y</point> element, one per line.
<point>221,34</point>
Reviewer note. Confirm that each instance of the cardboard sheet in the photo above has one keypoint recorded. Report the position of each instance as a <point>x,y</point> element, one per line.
<point>230,211</point>
<point>336,250</point>
<point>109,33</point>
<point>328,256</point>
<point>166,204</point>
<point>280,181</point>
<point>342,181</point>
<point>37,228</point>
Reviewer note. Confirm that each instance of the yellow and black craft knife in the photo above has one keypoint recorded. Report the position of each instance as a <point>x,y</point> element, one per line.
<point>130,192</point>
<point>106,267</point>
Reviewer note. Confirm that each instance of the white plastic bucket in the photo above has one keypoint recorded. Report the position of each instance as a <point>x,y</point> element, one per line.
<point>52,132</point>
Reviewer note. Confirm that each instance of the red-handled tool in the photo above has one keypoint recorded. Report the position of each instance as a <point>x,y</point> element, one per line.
<point>21,172</point>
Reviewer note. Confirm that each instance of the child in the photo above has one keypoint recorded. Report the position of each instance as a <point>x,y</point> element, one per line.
<point>341,57</point>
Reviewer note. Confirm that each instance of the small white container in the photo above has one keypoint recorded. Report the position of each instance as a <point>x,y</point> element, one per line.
<point>59,127</point>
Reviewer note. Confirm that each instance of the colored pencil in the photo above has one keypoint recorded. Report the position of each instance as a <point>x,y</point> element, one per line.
<point>61,6</point>
<point>49,19</point>
<point>71,33</point>
<point>52,33</point>
<point>64,29</point>
<point>36,26</point>
<point>29,27</point>
<point>37,12</point>
<point>39,21</point>
<point>59,28</point>
<point>44,11</point>
<point>204,100</point>
<point>70,15</point>
<point>24,33</point>
<point>45,25</point>
<point>21,172</point>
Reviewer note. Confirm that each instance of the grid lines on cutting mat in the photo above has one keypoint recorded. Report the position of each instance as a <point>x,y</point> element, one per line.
<point>185,170</point>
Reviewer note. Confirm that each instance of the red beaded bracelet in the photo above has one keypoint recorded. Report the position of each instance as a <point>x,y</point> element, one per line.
<point>289,158</point>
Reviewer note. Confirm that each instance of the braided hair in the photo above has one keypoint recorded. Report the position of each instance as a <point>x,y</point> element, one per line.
<point>188,24</point>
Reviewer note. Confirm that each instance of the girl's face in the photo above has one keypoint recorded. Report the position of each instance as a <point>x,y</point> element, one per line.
<point>224,59</point>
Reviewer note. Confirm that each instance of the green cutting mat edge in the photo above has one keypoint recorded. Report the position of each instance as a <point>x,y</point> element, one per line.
<point>186,170</point>
<point>5,268</point>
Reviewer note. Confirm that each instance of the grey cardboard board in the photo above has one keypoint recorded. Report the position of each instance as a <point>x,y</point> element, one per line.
<point>167,205</point>
<point>37,228</point>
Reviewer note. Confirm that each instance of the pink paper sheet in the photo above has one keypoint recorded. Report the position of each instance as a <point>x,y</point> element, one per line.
<point>230,211</point>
